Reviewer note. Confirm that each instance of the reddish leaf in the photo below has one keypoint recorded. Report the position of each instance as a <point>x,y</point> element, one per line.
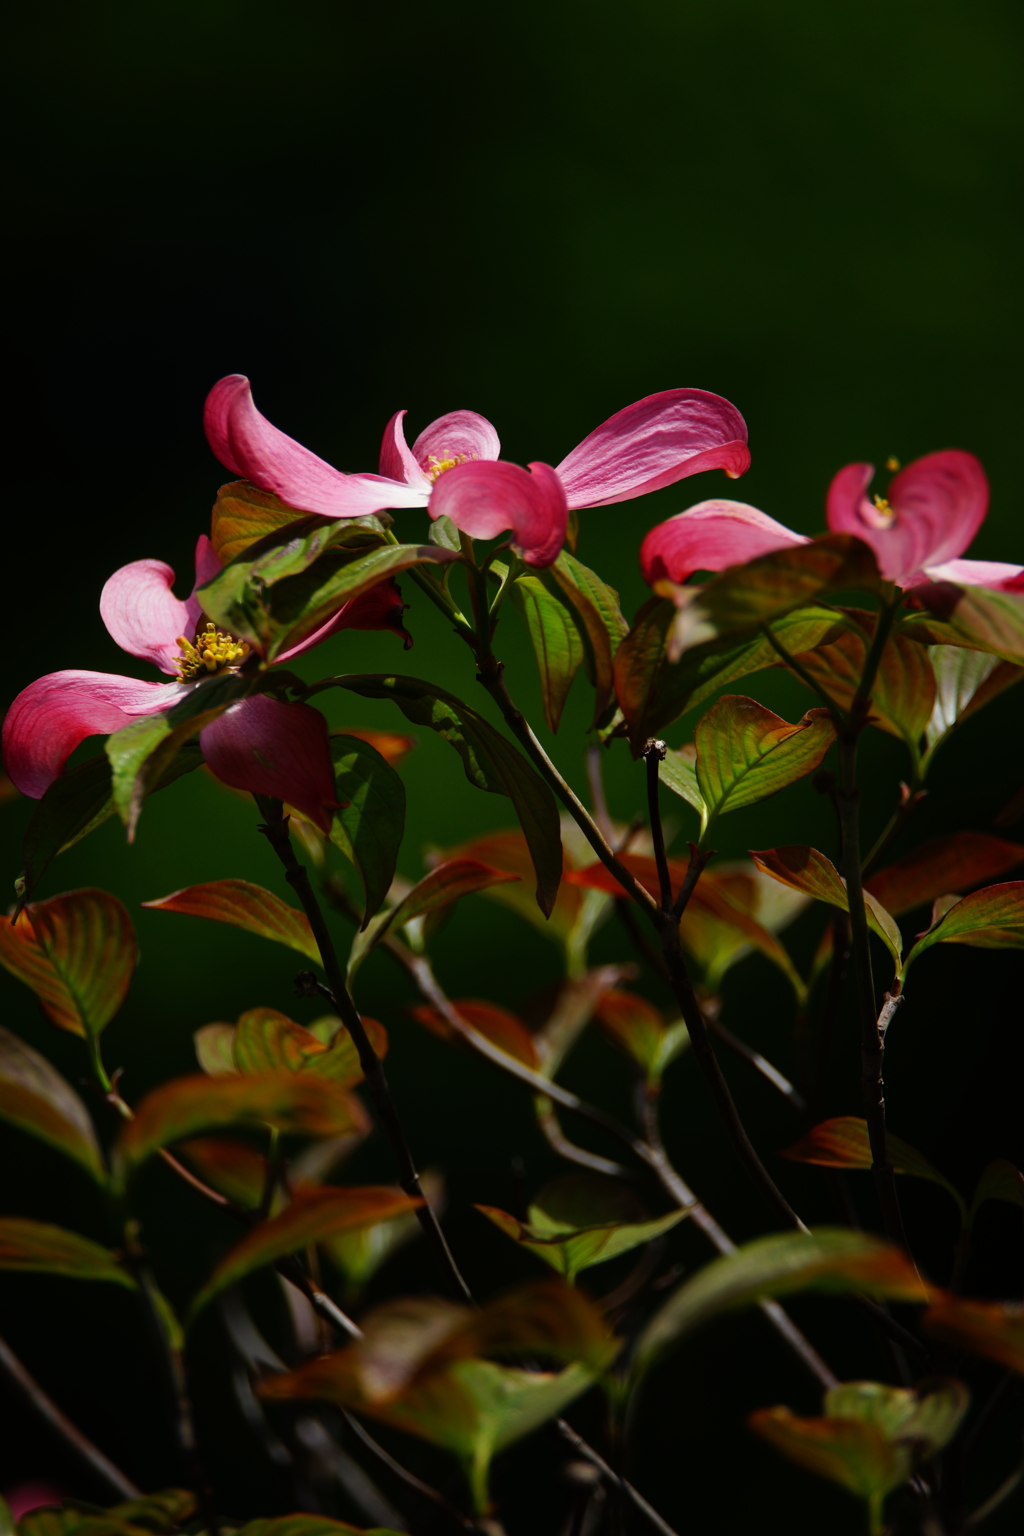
<point>247,906</point>
<point>809,871</point>
<point>77,952</point>
<point>993,1328</point>
<point>292,1102</point>
<point>39,1247</point>
<point>992,918</point>
<point>232,1167</point>
<point>638,1028</point>
<point>496,1024</point>
<point>34,1097</point>
<point>509,851</point>
<point>445,884</point>
<point>950,863</point>
<point>312,1216</point>
<point>904,690</point>
<point>308,1525</point>
<point>848,1451</point>
<point>844,1143</point>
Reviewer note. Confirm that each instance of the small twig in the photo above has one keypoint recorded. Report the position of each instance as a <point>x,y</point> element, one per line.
<point>802,673</point>
<point>589,1454</point>
<point>699,859</point>
<point>653,756</point>
<point>560,1143</point>
<point>761,1064</point>
<point>44,1405</point>
<point>276,831</point>
<point>409,1478</point>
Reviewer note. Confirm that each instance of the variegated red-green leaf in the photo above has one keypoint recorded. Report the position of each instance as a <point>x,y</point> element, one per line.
<point>34,1097</point>
<point>244,905</point>
<point>45,1249</point>
<point>77,952</point>
<point>949,863</point>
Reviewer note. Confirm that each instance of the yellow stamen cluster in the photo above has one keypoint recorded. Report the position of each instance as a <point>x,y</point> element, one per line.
<point>892,462</point>
<point>436,466</point>
<point>885,512</point>
<point>211,652</point>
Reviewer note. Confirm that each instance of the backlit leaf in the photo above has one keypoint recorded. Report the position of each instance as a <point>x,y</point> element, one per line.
<point>999,1181</point>
<point>762,590</point>
<point>77,952</point>
<point>844,1143</point>
<point>745,752</point>
<point>39,1247</point>
<point>445,883</point>
<point>359,1252</point>
<point>160,1512</point>
<point>903,693</point>
<point>35,1098</point>
<point>232,1167</point>
<point>834,1260</point>
<point>215,1048</point>
<point>496,1024</point>
<point>809,871</point>
<point>678,772</point>
<point>980,616</point>
<point>490,762</point>
<point>265,1040</point>
<point>243,514</point>
<point>247,906</point>
<point>312,1216</point>
<point>639,1029</point>
<point>556,641</point>
<point>294,1102</point>
<point>370,821</point>
<point>596,606</point>
<point>509,851</point>
<point>965,680</point>
<point>991,1328</point>
<point>992,918</point>
<point>949,863</point>
<point>927,1418</point>
<point>848,1451</point>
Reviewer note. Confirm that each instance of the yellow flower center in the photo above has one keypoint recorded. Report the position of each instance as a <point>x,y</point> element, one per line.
<point>886,514</point>
<point>211,652</point>
<point>436,466</point>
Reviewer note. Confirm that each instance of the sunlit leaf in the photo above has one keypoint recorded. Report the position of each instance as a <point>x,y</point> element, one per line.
<point>809,871</point>
<point>596,606</point>
<point>490,761</point>
<point>678,772</point>
<point>848,1451</point>
<point>77,952</point>
<point>509,851</point>
<point>991,1328</point>
<point>265,1040</point>
<point>992,918</point>
<point>360,1252</point>
<point>370,821</point>
<point>294,1102</point>
<point>844,1143</point>
<point>580,1220</point>
<point>762,590</point>
<point>35,1098</point>
<point>639,1029</point>
<point>745,752</point>
<point>980,616</point>
<point>445,883</point>
<point>654,691</point>
<point>948,863</point>
<point>965,681</point>
<point>37,1246</point>
<point>247,906</point>
<point>1000,1180</point>
<point>557,645</point>
<point>243,514</point>
<point>903,693</point>
<point>312,1216</point>
<point>710,933</point>
<point>232,1167</point>
<point>835,1260</point>
<point>215,1048</point>
<point>496,1024</point>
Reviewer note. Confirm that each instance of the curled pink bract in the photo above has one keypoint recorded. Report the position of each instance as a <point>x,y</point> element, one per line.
<point>486,498</point>
<point>708,537</point>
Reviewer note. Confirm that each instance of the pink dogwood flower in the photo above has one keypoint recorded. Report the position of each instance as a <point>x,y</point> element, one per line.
<point>453,468</point>
<point>258,744</point>
<point>933,509</point>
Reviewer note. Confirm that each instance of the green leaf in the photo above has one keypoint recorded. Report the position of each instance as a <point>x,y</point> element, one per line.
<point>243,515</point>
<point>142,753</point>
<point>490,762</point>
<point>369,826</point>
<point>926,1419</point>
<point>556,642</point>
<point>678,772</point>
<point>965,681</point>
<point>745,753</point>
<point>360,1252</point>
<point>653,691</point>
<point>999,1181</point>
<point>297,1103</point>
<point>848,1451</point>
<point>596,606</point>
<point>445,883</point>
<point>244,905</point>
<point>992,918</point>
<point>581,1220</point>
<point>77,952</point>
<point>903,695</point>
<point>844,1143</point>
<point>744,596</point>
<point>639,1029</point>
<point>940,865</point>
<point>834,1260</point>
<point>35,1098</point>
<point>74,805</point>
<point>980,616</point>
<point>312,1216</point>
<point>309,1525</point>
<point>809,871</point>
<point>232,1167</point>
<point>39,1247</point>
<point>292,590</point>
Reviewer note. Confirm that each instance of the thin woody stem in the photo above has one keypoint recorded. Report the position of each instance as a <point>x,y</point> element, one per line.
<point>802,673</point>
<point>654,756</point>
<point>44,1405</point>
<point>277,834</point>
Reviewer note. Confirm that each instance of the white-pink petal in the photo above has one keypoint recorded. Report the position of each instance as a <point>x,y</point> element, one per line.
<point>708,537</point>
<point>655,442</point>
<point>484,498</point>
<point>143,615</point>
<point>978,573</point>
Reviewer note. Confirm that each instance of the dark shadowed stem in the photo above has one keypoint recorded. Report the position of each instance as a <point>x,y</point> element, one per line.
<point>666,925</point>
<point>653,1155</point>
<point>277,834</point>
<point>91,1454</point>
<point>698,862</point>
<point>409,1478</point>
<point>872,1024</point>
<point>762,1065</point>
<point>560,1143</point>
<point>587,1453</point>
<point>805,677</point>
<point>654,756</point>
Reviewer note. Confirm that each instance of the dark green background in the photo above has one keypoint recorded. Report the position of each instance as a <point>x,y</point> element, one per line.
<point>541,212</point>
